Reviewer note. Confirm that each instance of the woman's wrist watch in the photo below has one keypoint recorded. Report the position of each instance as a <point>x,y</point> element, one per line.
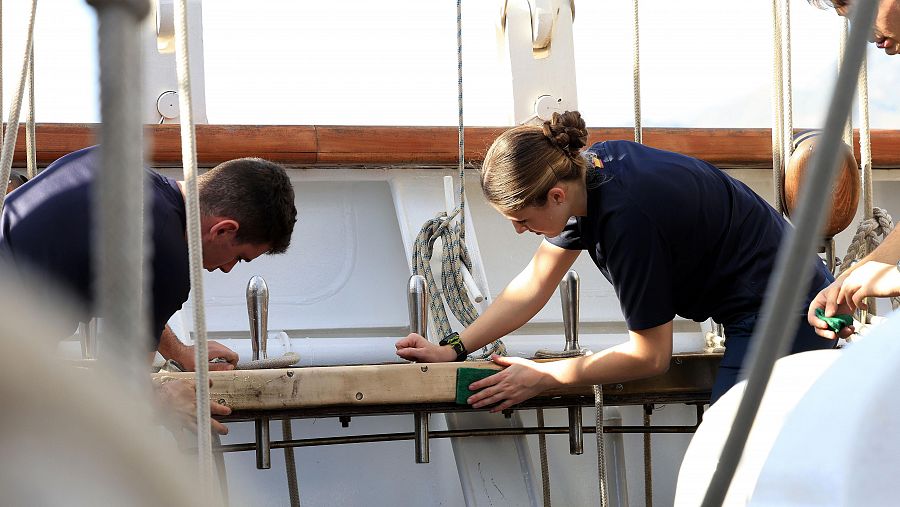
<point>456,344</point>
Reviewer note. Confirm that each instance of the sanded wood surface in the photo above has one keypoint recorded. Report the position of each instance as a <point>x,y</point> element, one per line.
<point>329,145</point>
<point>410,384</point>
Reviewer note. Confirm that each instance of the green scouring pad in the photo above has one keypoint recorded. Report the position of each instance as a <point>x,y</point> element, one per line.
<point>464,377</point>
<point>837,322</point>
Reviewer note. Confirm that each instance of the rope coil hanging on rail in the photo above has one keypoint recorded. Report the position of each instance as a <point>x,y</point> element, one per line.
<point>453,236</point>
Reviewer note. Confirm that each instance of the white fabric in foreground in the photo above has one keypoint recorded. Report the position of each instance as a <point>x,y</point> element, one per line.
<point>791,378</point>
<point>839,445</point>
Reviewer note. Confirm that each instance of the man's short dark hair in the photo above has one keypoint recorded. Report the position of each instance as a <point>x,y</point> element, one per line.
<point>257,194</point>
<point>829,4</point>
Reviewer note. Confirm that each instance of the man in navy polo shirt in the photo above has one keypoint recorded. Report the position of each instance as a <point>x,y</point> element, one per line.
<point>247,209</point>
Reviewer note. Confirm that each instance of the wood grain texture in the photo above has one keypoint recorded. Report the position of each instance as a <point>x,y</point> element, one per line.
<point>359,145</point>
<point>404,384</point>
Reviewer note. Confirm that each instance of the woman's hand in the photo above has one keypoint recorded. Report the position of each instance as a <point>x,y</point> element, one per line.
<point>416,348</point>
<point>872,279</point>
<point>827,299</point>
<point>520,380</point>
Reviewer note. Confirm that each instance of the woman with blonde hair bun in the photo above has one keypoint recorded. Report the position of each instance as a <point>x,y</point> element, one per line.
<point>673,235</point>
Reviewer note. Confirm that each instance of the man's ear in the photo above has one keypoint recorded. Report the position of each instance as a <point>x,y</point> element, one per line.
<point>224,226</point>
<point>556,195</point>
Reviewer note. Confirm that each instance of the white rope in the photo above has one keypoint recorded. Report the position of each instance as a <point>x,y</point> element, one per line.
<point>778,159</point>
<point>195,250</point>
<point>845,32</point>
<point>788,110</point>
<point>2,123</point>
<point>865,143</point>
<point>636,73</point>
<point>30,146</point>
<point>9,138</point>
<point>545,464</point>
<point>866,240</point>
<point>453,236</point>
<point>601,446</point>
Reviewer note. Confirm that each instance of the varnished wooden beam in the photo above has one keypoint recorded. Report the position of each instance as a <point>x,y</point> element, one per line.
<point>414,383</point>
<point>360,145</point>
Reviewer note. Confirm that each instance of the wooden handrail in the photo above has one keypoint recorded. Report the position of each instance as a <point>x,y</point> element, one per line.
<point>416,146</point>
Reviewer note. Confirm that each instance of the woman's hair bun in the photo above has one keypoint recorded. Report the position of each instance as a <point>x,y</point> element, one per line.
<point>567,131</point>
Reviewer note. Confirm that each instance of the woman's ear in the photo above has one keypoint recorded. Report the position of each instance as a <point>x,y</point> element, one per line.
<point>556,195</point>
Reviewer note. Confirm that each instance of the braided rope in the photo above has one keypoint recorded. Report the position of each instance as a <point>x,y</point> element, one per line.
<point>9,137</point>
<point>290,464</point>
<point>545,465</point>
<point>636,73</point>
<point>195,249</point>
<point>601,445</point>
<point>866,240</point>
<point>788,111</point>
<point>2,124</point>
<point>845,32</point>
<point>648,463</point>
<point>453,236</point>
<point>30,146</point>
<point>778,158</point>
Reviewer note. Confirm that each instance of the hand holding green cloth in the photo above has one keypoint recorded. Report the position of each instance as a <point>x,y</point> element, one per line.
<point>837,322</point>
<point>464,377</point>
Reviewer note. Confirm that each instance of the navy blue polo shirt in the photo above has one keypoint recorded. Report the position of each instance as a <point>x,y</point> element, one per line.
<point>677,236</point>
<point>46,225</point>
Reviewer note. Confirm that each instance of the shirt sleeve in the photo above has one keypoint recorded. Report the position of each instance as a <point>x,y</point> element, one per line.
<point>640,270</point>
<point>570,237</point>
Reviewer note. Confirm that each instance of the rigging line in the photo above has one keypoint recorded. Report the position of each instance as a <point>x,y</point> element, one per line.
<point>772,335</point>
<point>9,137</point>
<point>195,250</point>
<point>788,108</point>
<point>455,257</point>
<point>636,73</point>
<point>30,146</point>
<point>778,158</point>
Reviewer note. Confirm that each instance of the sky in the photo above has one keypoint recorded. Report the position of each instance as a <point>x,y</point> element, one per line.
<point>704,63</point>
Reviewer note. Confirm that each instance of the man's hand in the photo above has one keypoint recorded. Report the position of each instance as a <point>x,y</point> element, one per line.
<point>179,398</point>
<point>416,348</point>
<point>186,357</point>
<point>522,379</point>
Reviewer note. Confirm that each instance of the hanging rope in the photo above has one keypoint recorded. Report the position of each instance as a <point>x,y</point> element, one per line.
<point>598,408</point>
<point>195,249</point>
<point>842,47</point>
<point>30,146</point>
<point>545,464</point>
<point>453,236</point>
<point>788,111</point>
<point>778,158</point>
<point>636,73</point>
<point>9,138</point>
<point>866,240</point>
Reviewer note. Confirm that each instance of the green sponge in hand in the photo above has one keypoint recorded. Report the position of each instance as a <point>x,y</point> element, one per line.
<point>464,377</point>
<point>837,322</point>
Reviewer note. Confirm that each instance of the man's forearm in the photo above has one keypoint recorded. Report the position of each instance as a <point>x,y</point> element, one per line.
<point>169,344</point>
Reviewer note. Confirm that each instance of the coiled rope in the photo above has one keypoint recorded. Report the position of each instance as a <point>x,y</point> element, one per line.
<point>453,236</point>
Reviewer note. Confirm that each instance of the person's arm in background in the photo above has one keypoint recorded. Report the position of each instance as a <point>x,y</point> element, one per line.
<point>646,354</point>
<point>875,275</point>
<point>170,347</point>
<point>525,295</point>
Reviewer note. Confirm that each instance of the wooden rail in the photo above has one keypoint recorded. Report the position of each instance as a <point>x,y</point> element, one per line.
<point>415,146</point>
<point>381,387</point>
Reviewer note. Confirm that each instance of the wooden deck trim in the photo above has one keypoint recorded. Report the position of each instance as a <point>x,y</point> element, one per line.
<point>326,145</point>
<point>413,383</point>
